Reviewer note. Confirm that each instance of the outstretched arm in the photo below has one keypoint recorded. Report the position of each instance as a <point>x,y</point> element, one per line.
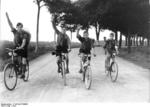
<point>69,43</point>
<point>93,47</point>
<point>54,25</point>
<point>9,22</point>
<point>116,47</point>
<point>78,35</point>
<point>23,44</point>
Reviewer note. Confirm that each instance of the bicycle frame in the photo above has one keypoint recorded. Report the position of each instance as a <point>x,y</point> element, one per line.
<point>85,60</point>
<point>13,55</point>
<point>62,57</point>
<point>113,57</point>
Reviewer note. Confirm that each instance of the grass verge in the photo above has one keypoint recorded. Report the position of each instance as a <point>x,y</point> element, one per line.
<point>138,55</point>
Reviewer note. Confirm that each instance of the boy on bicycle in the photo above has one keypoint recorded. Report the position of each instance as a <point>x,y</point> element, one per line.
<point>21,41</point>
<point>63,43</point>
<point>87,44</point>
<point>110,48</point>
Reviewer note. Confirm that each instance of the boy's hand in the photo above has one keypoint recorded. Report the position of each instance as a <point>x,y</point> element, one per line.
<point>53,17</point>
<point>6,14</point>
<point>94,55</point>
<point>69,50</point>
<point>117,52</point>
<point>78,27</point>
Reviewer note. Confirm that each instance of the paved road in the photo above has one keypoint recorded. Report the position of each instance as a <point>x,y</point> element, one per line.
<point>45,85</point>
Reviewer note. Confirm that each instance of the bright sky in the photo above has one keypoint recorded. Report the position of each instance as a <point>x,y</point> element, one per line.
<point>25,11</point>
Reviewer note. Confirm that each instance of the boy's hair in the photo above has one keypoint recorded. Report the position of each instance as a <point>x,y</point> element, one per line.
<point>85,31</point>
<point>112,34</point>
<point>18,24</point>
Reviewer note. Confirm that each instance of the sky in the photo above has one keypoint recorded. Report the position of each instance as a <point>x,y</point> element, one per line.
<point>25,11</point>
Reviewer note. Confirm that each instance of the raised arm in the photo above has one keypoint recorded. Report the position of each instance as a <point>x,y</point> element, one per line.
<point>93,46</point>
<point>78,35</point>
<point>9,22</point>
<point>116,47</point>
<point>54,25</point>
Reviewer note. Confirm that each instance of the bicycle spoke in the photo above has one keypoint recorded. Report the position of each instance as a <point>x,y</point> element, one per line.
<point>88,77</point>
<point>114,71</point>
<point>10,77</point>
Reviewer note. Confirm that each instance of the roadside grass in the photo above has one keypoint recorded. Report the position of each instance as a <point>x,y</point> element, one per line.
<point>139,55</point>
<point>44,47</point>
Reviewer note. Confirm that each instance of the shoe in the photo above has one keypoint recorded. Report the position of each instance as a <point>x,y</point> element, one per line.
<point>67,71</point>
<point>59,70</point>
<point>22,76</point>
<point>19,73</point>
<point>80,71</point>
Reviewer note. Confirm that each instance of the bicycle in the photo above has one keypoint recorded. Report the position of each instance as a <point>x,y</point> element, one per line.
<point>12,70</point>
<point>113,68</point>
<point>62,65</point>
<point>86,70</point>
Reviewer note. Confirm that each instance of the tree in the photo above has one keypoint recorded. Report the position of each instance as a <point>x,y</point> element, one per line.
<point>39,5</point>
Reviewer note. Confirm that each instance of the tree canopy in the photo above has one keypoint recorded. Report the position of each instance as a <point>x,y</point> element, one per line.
<point>126,16</point>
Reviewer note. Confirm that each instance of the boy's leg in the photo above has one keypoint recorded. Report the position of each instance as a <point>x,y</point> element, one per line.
<point>107,61</point>
<point>24,63</point>
<point>58,64</point>
<point>81,57</point>
<point>67,63</point>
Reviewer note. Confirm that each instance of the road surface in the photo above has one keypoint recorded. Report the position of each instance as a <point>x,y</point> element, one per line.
<point>45,85</point>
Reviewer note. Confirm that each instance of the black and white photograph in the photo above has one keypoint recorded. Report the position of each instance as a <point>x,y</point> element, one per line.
<point>74,51</point>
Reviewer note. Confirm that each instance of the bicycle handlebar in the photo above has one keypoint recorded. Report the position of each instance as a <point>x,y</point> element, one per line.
<point>87,55</point>
<point>11,49</point>
<point>55,53</point>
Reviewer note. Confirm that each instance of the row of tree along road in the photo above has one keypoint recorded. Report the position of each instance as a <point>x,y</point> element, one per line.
<point>130,17</point>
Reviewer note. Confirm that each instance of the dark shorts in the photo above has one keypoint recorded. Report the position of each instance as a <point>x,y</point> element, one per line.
<point>84,51</point>
<point>111,51</point>
<point>60,49</point>
<point>22,52</point>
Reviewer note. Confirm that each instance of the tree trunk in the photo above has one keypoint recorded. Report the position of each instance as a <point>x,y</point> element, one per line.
<point>116,36</point>
<point>71,35</point>
<point>143,41</point>
<point>140,41</point>
<point>37,29</point>
<point>134,40</point>
<point>148,42</point>
<point>129,42</point>
<point>120,41</point>
<point>126,41</point>
<point>97,36</point>
<point>97,30</point>
<point>137,44</point>
<point>55,37</point>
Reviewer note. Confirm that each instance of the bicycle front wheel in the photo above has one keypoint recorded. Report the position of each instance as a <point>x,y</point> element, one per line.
<point>88,77</point>
<point>64,73</point>
<point>26,72</point>
<point>114,71</point>
<point>10,77</point>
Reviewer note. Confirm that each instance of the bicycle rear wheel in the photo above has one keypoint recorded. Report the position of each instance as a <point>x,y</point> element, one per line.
<point>26,78</point>
<point>114,71</point>
<point>10,76</point>
<point>64,73</point>
<point>106,70</point>
<point>88,77</point>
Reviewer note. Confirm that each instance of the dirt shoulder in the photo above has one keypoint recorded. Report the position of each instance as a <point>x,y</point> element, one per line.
<point>138,55</point>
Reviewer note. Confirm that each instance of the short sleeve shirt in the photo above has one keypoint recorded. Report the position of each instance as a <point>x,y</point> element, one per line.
<point>110,44</point>
<point>18,37</point>
<point>62,40</point>
<point>86,44</point>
